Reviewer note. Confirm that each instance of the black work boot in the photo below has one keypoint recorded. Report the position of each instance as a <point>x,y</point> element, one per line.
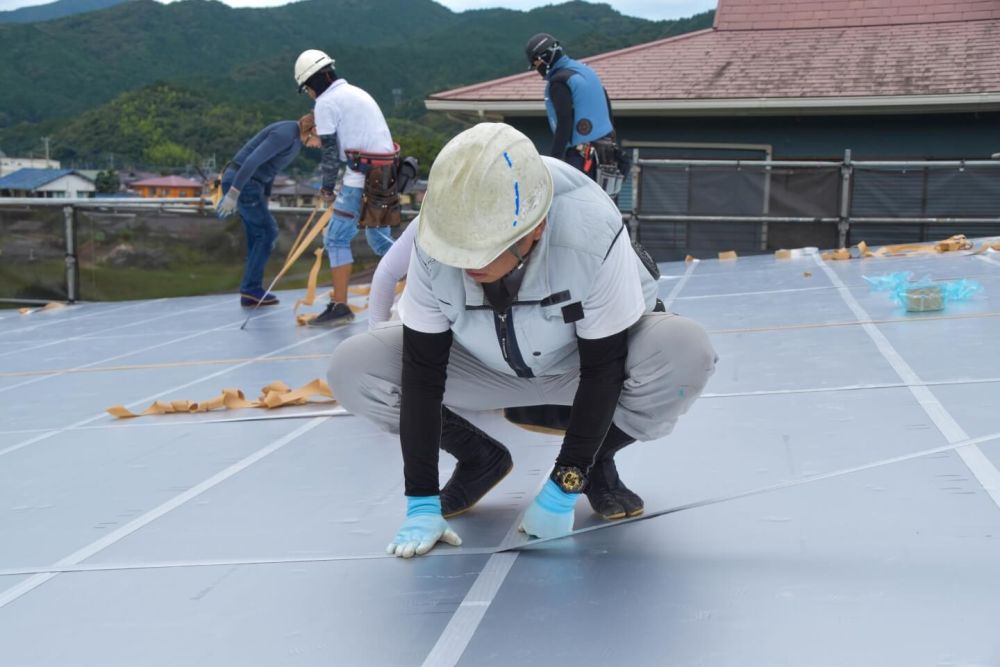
<point>482,463</point>
<point>607,494</point>
<point>335,314</point>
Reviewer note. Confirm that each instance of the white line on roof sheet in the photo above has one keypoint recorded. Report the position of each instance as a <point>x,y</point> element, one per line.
<point>480,597</point>
<point>160,394</point>
<point>77,318</point>
<point>116,327</point>
<point>450,646</point>
<point>455,637</point>
<point>172,341</point>
<point>980,466</point>
<point>989,259</point>
<point>680,284</point>
<point>94,547</point>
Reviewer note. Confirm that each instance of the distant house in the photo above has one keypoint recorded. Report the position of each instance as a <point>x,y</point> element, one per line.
<point>294,194</point>
<point>48,183</point>
<point>130,176</point>
<point>166,186</point>
<point>917,79</point>
<point>9,165</point>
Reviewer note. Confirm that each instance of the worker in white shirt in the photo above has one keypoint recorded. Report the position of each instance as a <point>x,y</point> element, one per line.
<point>353,131</point>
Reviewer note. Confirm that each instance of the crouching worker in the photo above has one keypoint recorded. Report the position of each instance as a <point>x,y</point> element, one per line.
<point>246,184</point>
<point>523,288</point>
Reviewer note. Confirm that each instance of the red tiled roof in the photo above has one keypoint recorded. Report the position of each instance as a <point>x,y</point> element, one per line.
<point>167,182</point>
<point>854,61</point>
<point>781,14</point>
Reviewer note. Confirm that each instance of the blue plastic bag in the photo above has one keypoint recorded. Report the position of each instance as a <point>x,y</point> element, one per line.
<point>924,294</point>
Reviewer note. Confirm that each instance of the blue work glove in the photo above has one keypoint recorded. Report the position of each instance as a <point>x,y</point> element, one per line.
<point>423,527</point>
<point>551,515</point>
<point>227,204</point>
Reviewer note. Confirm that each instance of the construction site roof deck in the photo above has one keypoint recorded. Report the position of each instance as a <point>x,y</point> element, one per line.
<point>832,498</point>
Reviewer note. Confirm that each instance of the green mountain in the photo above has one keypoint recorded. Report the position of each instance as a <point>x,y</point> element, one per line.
<point>55,10</point>
<point>73,78</point>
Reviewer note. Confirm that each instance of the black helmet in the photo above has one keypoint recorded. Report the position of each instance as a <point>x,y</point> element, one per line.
<point>544,47</point>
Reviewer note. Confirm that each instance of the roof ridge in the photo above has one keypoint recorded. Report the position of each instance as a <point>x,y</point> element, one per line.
<point>890,24</point>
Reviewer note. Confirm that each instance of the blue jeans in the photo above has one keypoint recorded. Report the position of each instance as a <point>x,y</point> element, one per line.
<point>344,226</point>
<point>261,230</point>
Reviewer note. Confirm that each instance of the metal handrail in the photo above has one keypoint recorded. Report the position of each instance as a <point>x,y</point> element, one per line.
<point>193,203</point>
<point>69,207</point>
<point>858,164</point>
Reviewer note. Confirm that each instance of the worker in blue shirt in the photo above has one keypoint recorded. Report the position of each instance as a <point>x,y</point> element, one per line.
<point>246,184</point>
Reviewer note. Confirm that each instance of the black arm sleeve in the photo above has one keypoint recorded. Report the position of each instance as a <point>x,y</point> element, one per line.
<point>602,374</point>
<point>562,102</point>
<point>425,365</point>
<point>330,161</point>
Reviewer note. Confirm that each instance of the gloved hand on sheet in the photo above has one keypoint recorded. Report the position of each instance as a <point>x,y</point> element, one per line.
<point>551,514</point>
<point>423,528</point>
<point>227,204</point>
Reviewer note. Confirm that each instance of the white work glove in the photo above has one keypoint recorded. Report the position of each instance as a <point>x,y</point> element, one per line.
<point>227,204</point>
<point>424,527</point>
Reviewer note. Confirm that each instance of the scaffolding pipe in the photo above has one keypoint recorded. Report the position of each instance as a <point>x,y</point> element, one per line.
<point>930,221</point>
<point>72,265</point>
<point>858,164</point>
<point>179,204</point>
<point>844,226</point>
<point>730,218</point>
<point>736,163</point>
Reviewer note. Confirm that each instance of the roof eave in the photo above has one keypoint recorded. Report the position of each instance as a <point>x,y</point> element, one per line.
<point>772,106</point>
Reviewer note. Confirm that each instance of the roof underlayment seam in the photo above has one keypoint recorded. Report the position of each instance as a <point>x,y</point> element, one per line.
<point>141,401</point>
<point>981,467</point>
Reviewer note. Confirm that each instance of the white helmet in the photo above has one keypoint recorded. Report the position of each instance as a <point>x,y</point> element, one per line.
<point>308,63</point>
<point>487,189</point>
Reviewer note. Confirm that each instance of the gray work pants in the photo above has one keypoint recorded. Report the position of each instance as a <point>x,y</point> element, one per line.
<point>669,361</point>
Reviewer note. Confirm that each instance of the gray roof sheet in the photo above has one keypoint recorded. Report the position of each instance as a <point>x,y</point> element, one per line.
<point>256,538</point>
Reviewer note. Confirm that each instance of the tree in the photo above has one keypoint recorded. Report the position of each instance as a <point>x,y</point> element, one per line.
<point>169,154</point>
<point>107,181</point>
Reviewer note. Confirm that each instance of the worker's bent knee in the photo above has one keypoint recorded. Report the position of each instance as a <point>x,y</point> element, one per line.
<point>364,375</point>
<point>349,362</point>
<point>669,363</point>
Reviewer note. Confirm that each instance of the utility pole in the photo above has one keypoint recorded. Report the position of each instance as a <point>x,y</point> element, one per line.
<point>46,141</point>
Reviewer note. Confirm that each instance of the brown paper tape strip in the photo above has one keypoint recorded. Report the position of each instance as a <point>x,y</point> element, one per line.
<point>953,244</point>
<point>52,305</point>
<point>275,395</point>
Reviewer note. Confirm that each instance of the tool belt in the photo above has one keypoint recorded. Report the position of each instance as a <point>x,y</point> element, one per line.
<point>380,200</point>
<point>611,165</point>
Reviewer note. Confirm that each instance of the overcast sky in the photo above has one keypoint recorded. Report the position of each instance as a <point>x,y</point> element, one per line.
<point>647,9</point>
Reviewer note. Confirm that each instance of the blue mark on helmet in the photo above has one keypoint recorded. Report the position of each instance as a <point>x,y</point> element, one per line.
<point>517,190</point>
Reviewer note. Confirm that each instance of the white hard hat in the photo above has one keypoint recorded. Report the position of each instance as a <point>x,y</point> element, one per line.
<point>308,63</point>
<point>487,189</point>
